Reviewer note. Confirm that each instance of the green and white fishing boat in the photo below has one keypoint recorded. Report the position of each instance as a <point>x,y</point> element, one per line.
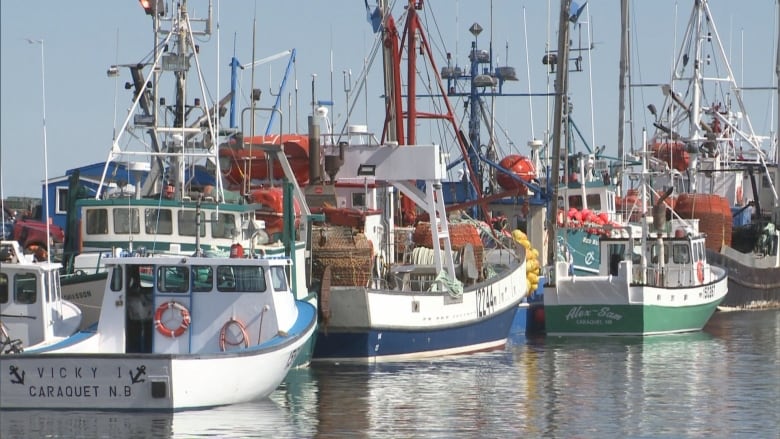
<point>653,279</point>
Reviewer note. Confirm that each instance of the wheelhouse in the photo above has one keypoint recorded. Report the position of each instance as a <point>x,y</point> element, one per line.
<point>677,261</point>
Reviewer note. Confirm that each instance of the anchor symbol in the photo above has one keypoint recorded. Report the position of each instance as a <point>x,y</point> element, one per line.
<point>19,378</point>
<point>137,377</point>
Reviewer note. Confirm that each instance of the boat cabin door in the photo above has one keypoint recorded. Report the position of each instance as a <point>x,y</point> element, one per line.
<point>138,312</point>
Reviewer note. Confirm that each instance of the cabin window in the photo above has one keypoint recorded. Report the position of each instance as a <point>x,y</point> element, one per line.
<point>698,251</point>
<point>655,251</point>
<point>116,278</point>
<point>25,288</point>
<point>616,254</point>
<point>575,201</point>
<point>173,279</point>
<point>224,226</point>
<point>47,286</point>
<point>62,200</point>
<point>681,254</point>
<point>636,255</point>
<point>97,222</point>
<point>126,221</point>
<point>187,223</point>
<point>202,278</point>
<point>3,288</point>
<point>358,199</point>
<point>279,278</point>
<point>241,279</point>
<point>594,202</point>
<point>158,221</point>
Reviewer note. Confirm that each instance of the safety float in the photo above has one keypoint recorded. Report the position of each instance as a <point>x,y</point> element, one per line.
<point>519,167</point>
<point>246,161</point>
<point>672,153</point>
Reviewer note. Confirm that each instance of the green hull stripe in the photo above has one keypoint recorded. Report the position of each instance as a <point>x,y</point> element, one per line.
<point>625,319</point>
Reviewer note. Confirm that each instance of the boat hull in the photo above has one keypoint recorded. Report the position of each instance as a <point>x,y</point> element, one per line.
<point>386,344</point>
<point>86,291</point>
<point>369,326</point>
<point>165,382</point>
<point>750,287</point>
<point>609,305</point>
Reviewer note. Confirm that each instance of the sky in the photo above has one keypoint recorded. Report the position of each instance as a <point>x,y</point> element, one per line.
<point>83,107</point>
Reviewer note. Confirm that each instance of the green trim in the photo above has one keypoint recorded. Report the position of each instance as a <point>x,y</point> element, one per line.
<point>625,319</point>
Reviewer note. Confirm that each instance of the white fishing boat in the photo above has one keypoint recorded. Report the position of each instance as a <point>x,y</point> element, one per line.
<point>408,283</point>
<point>33,313</point>
<point>174,333</point>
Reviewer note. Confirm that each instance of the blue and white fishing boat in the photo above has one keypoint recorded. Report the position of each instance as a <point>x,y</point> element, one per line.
<point>174,333</point>
<point>408,283</point>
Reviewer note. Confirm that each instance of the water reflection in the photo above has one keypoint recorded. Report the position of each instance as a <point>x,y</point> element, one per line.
<point>257,419</point>
<point>723,382</point>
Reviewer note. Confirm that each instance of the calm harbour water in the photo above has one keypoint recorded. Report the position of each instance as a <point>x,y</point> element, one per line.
<point>723,382</point>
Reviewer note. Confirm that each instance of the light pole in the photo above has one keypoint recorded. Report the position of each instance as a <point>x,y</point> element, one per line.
<point>45,150</point>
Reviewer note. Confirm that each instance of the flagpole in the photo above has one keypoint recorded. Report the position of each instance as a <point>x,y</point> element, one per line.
<point>45,150</point>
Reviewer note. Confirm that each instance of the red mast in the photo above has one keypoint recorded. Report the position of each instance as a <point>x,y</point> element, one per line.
<point>414,34</point>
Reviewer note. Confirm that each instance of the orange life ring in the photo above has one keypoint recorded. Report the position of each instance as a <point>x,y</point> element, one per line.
<point>163,328</point>
<point>223,341</point>
<point>700,271</point>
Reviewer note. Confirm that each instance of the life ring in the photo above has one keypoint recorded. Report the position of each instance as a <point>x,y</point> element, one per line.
<point>700,271</point>
<point>223,341</point>
<point>162,328</point>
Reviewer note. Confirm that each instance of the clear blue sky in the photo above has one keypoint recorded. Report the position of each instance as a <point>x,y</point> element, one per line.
<point>81,39</point>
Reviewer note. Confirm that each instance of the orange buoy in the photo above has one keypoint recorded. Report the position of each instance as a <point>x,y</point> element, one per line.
<point>522,167</point>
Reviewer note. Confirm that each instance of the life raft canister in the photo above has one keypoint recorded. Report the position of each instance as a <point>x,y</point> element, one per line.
<point>236,251</point>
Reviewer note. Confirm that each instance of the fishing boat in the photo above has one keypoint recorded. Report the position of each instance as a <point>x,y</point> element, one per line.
<point>657,281</point>
<point>653,277</point>
<point>178,204</point>
<point>409,283</point>
<point>174,333</point>
<point>724,174</point>
<point>33,313</point>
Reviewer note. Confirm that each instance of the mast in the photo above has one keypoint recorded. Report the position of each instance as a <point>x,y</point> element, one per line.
<point>624,34</point>
<point>393,128</point>
<point>559,116</point>
<point>695,109</point>
<point>777,73</point>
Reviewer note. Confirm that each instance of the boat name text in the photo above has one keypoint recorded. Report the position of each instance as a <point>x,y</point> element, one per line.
<point>76,381</point>
<point>598,316</point>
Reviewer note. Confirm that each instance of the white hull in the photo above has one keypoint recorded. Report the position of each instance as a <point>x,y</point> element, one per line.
<point>87,292</point>
<point>383,325</point>
<point>145,381</point>
<point>392,309</point>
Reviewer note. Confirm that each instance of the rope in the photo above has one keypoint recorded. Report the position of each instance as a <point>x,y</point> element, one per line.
<point>453,286</point>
